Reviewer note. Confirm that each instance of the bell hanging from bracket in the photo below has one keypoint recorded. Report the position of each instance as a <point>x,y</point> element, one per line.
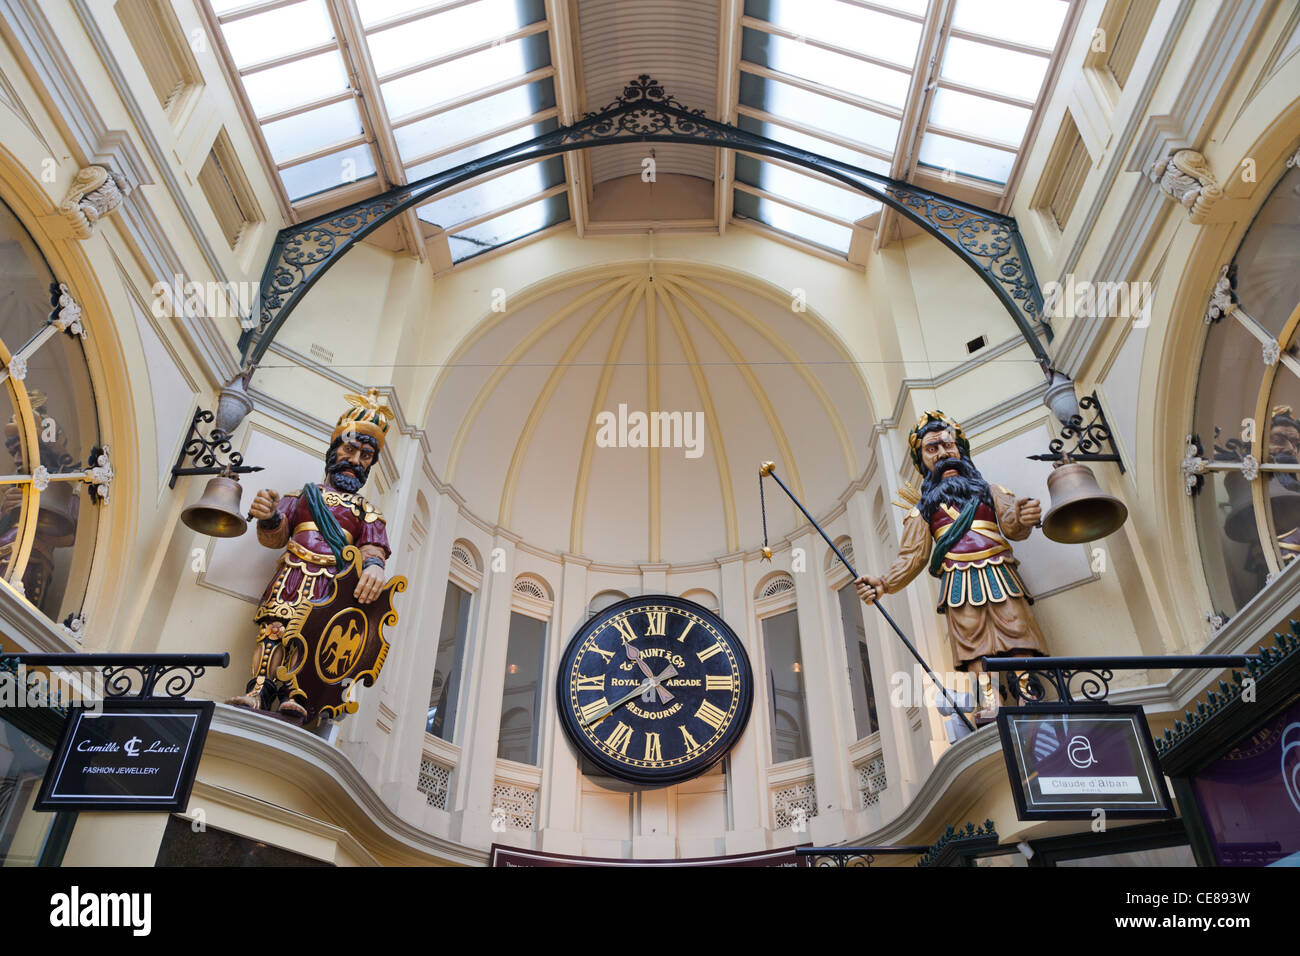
<point>1080,510</point>
<point>218,512</point>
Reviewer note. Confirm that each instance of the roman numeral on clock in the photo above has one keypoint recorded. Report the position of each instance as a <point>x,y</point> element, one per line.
<point>658,620</point>
<point>597,682</point>
<point>714,648</point>
<point>620,738</point>
<point>592,709</point>
<point>653,751</point>
<point>682,635</point>
<point>625,630</point>
<point>713,682</point>
<point>607,655</point>
<point>711,715</point>
<point>691,743</point>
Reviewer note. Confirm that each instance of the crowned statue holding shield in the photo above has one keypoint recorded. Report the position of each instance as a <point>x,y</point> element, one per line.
<point>960,529</point>
<point>320,618</point>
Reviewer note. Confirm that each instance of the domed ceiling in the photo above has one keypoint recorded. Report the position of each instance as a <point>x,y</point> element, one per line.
<point>543,418</point>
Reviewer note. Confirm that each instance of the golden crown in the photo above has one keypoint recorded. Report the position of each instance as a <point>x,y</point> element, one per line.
<point>914,436</point>
<point>366,416</point>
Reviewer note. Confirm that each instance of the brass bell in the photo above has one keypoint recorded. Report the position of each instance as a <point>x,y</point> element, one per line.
<point>218,512</point>
<point>1080,510</point>
<point>1284,505</point>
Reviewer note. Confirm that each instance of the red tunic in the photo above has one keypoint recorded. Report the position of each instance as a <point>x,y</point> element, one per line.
<point>307,565</point>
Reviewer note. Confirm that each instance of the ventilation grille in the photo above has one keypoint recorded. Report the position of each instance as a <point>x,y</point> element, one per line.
<point>531,588</point>
<point>795,805</point>
<point>513,808</point>
<point>872,780</point>
<point>434,783</point>
<point>778,585</point>
<point>458,553</point>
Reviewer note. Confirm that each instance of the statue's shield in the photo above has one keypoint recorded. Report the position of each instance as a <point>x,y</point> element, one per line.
<point>335,643</point>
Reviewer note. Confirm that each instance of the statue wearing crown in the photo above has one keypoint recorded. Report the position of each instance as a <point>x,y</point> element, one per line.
<point>960,528</point>
<point>320,621</point>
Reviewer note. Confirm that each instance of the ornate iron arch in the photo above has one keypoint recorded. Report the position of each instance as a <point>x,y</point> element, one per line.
<point>987,241</point>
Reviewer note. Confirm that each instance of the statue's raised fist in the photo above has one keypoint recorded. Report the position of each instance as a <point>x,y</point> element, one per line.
<point>264,503</point>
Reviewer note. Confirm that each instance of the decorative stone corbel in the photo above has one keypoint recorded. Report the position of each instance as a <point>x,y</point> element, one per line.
<point>1185,177</point>
<point>95,193</point>
<point>66,316</point>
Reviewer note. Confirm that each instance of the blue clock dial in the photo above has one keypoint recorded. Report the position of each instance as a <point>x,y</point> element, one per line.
<point>655,689</point>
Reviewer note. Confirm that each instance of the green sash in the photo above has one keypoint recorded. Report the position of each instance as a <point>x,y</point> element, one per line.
<point>326,523</point>
<point>951,535</point>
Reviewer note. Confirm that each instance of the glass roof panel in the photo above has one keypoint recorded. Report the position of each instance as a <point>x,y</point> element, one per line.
<point>279,32</point>
<point>844,25</point>
<point>994,69</point>
<point>376,11</point>
<point>978,116</point>
<point>307,132</point>
<point>842,203</point>
<point>1031,22</point>
<point>466,74</point>
<point>445,130</point>
<point>457,29</point>
<point>793,222</point>
<point>969,159</point>
<point>508,189</point>
<point>822,112</point>
<point>836,70</point>
<point>479,150</point>
<point>296,84</point>
<point>814,144</point>
<point>328,172</point>
<point>515,224</point>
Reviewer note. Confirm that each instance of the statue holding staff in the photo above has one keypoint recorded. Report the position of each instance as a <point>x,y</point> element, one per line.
<point>960,529</point>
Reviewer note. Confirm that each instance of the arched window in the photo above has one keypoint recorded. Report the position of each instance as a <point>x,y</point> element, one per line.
<point>48,516</point>
<point>1247,416</point>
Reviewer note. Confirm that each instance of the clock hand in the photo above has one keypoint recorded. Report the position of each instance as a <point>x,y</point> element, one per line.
<point>645,686</point>
<point>633,654</point>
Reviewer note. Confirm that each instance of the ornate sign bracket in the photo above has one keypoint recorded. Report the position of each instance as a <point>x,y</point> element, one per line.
<point>987,241</point>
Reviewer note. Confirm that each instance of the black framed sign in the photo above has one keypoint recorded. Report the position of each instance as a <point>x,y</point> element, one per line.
<point>129,755</point>
<point>1065,763</point>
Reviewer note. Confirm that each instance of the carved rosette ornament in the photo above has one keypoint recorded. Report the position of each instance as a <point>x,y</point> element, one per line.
<point>66,316</point>
<point>1185,177</point>
<point>95,192</point>
<point>1193,465</point>
<point>1272,351</point>
<point>1222,298</point>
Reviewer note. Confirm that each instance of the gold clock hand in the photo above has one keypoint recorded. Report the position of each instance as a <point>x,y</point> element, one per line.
<point>644,686</point>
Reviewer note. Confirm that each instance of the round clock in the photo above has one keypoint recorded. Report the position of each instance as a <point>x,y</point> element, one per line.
<point>655,689</point>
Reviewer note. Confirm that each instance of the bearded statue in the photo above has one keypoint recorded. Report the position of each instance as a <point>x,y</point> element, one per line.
<point>313,526</point>
<point>960,530</point>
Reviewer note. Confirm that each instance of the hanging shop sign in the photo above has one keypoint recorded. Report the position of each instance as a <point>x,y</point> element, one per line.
<point>1066,763</point>
<point>128,755</point>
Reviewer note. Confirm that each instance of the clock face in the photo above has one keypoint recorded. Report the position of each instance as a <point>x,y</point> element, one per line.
<point>655,689</point>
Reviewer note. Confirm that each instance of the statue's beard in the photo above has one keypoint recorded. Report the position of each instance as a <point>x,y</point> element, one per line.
<point>956,491</point>
<point>344,475</point>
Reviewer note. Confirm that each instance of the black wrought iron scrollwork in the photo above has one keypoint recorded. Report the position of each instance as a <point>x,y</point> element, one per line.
<point>1069,681</point>
<point>129,676</point>
<point>853,856</point>
<point>207,451</point>
<point>987,241</point>
<point>1031,687</point>
<point>1081,440</point>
